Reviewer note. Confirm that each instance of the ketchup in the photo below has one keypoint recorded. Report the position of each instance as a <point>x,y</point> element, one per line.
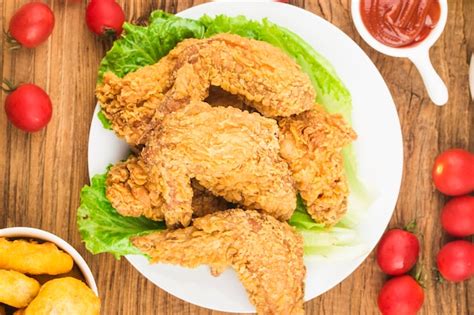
<point>400,23</point>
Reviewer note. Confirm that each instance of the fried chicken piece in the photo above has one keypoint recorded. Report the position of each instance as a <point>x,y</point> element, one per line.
<point>311,143</point>
<point>232,153</point>
<point>131,194</point>
<point>266,254</point>
<point>267,78</point>
<point>129,103</point>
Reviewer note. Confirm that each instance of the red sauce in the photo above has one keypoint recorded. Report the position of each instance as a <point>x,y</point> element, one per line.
<point>400,23</point>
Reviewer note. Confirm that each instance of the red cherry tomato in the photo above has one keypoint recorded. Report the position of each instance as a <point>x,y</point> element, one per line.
<point>28,107</point>
<point>104,17</point>
<point>456,261</point>
<point>32,24</point>
<point>453,172</point>
<point>401,296</point>
<point>397,252</point>
<point>457,216</point>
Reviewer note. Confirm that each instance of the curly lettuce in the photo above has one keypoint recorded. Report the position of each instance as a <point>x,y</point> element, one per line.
<point>102,228</point>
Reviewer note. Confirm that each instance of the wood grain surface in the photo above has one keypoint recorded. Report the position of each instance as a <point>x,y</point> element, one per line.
<point>41,174</point>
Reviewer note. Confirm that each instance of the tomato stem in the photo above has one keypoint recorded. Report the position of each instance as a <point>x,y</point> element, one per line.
<point>10,86</point>
<point>14,44</point>
<point>411,227</point>
<point>109,33</point>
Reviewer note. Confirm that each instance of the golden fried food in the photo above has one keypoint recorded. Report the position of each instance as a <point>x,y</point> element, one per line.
<point>33,258</point>
<point>233,154</point>
<point>311,143</point>
<point>130,102</point>
<point>16,289</point>
<point>20,311</point>
<point>267,78</point>
<point>132,194</point>
<point>266,254</point>
<point>67,296</point>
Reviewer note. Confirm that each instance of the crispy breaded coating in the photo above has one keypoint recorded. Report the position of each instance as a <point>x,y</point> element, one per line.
<point>33,258</point>
<point>232,153</point>
<point>64,296</point>
<point>16,289</point>
<point>129,103</point>
<point>311,143</point>
<point>131,194</point>
<point>266,254</point>
<point>267,78</point>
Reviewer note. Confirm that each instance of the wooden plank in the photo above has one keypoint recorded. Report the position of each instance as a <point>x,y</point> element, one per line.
<point>41,174</point>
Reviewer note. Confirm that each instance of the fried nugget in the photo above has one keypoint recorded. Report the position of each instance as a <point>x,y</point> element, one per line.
<point>266,254</point>
<point>33,258</point>
<point>16,289</point>
<point>311,143</point>
<point>261,74</point>
<point>64,296</point>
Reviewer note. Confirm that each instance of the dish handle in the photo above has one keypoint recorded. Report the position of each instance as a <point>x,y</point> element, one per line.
<point>435,86</point>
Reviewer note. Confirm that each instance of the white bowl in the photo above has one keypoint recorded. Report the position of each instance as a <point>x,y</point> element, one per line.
<point>27,232</point>
<point>418,54</point>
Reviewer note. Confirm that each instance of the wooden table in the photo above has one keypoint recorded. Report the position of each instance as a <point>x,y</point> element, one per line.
<point>41,174</point>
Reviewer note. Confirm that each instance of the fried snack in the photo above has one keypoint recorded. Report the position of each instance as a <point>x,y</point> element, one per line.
<point>132,194</point>
<point>33,258</point>
<point>266,254</point>
<point>311,143</point>
<point>231,153</point>
<point>263,75</point>
<point>20,311</point>
<point>64,296</point>
<point>129,103</point>
<point>16,289</point>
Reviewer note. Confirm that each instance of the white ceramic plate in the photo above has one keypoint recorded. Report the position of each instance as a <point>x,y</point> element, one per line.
<point>379,152</point>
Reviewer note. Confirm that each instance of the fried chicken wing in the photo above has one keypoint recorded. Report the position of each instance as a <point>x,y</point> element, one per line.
<point>129,103</point>
<point>311,144</point>
<point>132,194</point>
<point>232,153</point>
<point>266,254</point>
<point>137,103</point>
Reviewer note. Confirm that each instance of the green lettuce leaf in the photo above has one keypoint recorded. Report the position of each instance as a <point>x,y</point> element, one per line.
<point>144,45</point>
<point>102,228</point>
